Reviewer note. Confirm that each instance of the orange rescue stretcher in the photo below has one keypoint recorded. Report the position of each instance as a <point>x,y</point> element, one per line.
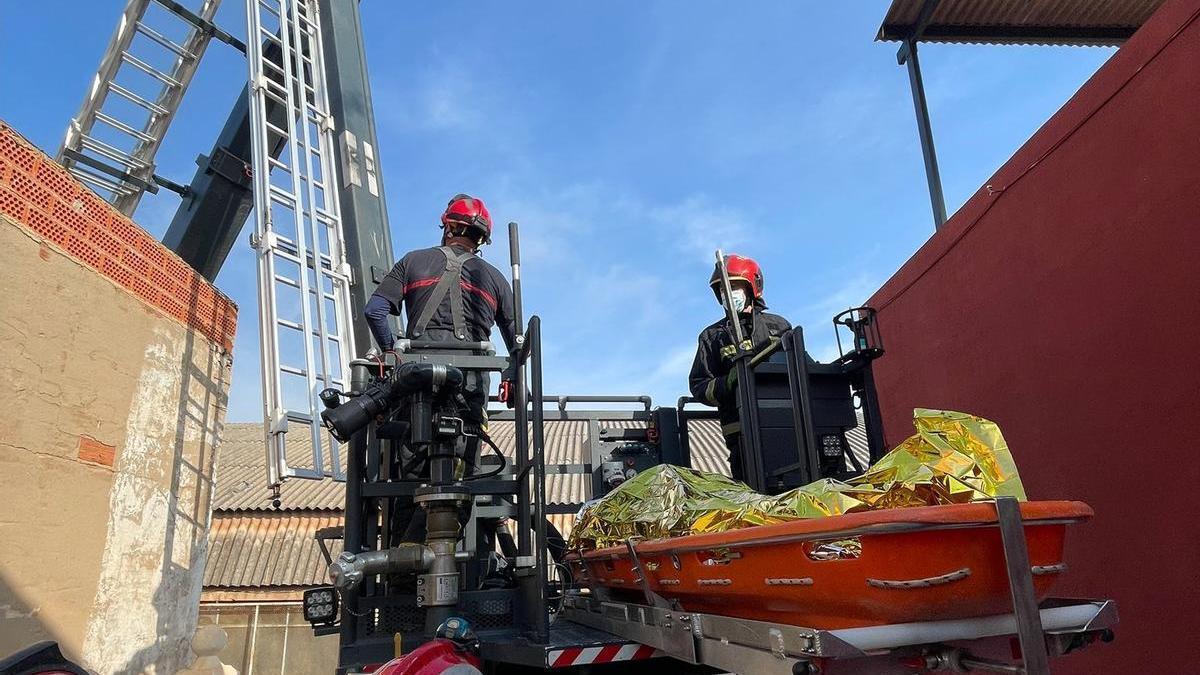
<point>856,570</point>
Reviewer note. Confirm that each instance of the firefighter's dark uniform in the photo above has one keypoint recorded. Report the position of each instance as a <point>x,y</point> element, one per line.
<point>471,296</point>
<point>712,379</point>
<point>449,294</point>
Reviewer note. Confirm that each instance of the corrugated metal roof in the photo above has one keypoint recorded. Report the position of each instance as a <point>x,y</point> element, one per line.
<point>268,549</point>
<point>242,483</point>
<point>1046,22</point>
<point>242,477</point>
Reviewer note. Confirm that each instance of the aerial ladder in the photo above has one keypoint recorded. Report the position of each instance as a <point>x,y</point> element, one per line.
<point>303,276</point>
<point>292,157</point>
<point>111,143</point>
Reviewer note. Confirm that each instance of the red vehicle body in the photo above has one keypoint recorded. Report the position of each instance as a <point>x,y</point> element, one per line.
<point>436,657</point>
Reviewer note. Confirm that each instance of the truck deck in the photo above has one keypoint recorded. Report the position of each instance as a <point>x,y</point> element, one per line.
<point>743,645</point>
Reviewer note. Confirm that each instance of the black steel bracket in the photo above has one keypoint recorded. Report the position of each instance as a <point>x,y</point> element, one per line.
<point>208,27</point>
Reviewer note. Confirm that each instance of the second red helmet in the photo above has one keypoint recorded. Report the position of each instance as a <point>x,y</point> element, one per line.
<point>467,210</point>
<point>740,268</point>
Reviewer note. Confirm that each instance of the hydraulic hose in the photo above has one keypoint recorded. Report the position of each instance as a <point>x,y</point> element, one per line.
<point>503,460</point>
<point>346,419</point>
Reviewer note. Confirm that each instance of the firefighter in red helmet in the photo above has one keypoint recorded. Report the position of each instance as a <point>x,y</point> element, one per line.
<point>713,379</point>
<point>449,294</point>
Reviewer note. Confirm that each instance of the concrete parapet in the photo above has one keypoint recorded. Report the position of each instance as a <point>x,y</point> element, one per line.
<point>115,364</point>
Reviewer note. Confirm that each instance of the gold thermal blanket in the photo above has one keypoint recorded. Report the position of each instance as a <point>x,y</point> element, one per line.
<point>953,458</point>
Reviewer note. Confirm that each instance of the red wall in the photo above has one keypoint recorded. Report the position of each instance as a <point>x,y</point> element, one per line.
<point>1064,303</point>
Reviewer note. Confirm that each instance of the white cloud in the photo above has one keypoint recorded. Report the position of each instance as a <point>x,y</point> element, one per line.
<point>445,97</point>
<point>698,227</point>
<point>552,222</point>
<point>672,371</point>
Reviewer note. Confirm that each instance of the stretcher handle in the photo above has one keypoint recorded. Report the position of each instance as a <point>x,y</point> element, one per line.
<point>927,582</point>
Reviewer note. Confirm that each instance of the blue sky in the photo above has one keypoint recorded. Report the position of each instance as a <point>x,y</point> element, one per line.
<point>630,140</point>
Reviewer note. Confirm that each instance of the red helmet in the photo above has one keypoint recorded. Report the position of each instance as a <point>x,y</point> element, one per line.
<point>740,268</point>
<point>467,210</point>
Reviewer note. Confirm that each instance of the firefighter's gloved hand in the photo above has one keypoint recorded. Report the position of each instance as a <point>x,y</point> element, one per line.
<point>731,380</point>
<point>507,395</point>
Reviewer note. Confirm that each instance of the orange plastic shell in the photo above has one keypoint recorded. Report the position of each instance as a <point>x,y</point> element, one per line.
<point>916,564</point>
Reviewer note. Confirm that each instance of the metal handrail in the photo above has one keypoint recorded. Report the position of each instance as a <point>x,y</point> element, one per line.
<point>542,619</point>
<point>406,345</point>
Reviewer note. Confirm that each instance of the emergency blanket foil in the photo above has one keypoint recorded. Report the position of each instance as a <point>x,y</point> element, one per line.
<point>954,458</point>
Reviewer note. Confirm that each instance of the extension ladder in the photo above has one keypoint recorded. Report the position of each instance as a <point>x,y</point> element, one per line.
<point>303,277</point>
<point>111,143</point>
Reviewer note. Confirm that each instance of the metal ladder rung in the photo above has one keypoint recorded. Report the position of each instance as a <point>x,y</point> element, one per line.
<point>282,194</point>
<point>287,280</point>
<point>279,165</point>
<point>114,153</point>
<point>125,128</point>
<point>275,67</point>
<point>269,8</point>
<point>291,370</point>
<point>294,259</point>
<point>278,90</point>
<point>130,96</point>
<point>332,337</point>
<point>97,180</point>
<point>278,131</point>
<point>164,41</point>
<point>150,70</point>
<point>270,36</point>
<point>281,99</point>
<point>281,90</point>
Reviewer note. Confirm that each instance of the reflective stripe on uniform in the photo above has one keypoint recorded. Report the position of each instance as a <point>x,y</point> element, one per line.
<point>449,283</point>
<point>710,392</point>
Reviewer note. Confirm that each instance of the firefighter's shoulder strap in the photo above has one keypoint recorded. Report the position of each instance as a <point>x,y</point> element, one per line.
<point>449,282</point>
